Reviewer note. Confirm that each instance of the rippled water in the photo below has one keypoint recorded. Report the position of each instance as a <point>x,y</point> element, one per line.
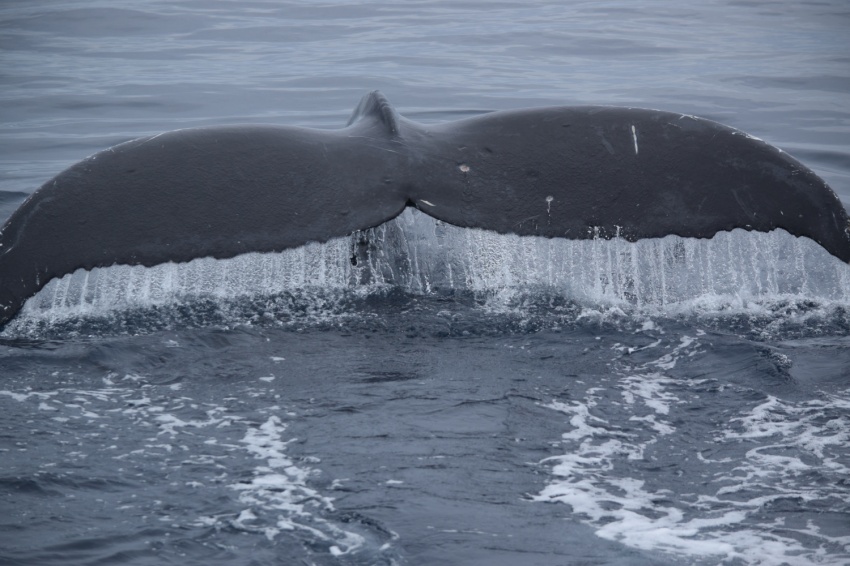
<point>460,397</point>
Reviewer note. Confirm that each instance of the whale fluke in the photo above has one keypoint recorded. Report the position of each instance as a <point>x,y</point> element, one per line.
<point>565,172</point>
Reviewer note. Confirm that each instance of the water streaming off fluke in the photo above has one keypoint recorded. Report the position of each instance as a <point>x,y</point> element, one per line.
<point>420,255</point>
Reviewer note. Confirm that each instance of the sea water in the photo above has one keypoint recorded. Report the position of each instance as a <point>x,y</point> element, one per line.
<point>418,393</point>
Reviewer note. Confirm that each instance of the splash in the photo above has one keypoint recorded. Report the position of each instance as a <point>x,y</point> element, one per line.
<point>420,255</point>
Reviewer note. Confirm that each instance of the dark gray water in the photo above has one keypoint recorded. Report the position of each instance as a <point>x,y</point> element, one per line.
<point>490,400</point>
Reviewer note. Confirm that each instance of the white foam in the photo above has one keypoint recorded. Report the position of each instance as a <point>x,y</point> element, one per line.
<point>798,453</point>
<point>281,486</point>
<point>276,497</point>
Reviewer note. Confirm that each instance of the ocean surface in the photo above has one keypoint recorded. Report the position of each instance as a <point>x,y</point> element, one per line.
<point>478,398</point>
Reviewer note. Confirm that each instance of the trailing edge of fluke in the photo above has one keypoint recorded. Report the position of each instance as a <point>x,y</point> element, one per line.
<point>559,172</point>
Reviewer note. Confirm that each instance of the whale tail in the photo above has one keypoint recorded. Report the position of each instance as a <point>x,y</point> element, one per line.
<point>560,172</point>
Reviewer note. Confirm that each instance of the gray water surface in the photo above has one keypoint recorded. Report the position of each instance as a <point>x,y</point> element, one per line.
<point>408,425</point>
